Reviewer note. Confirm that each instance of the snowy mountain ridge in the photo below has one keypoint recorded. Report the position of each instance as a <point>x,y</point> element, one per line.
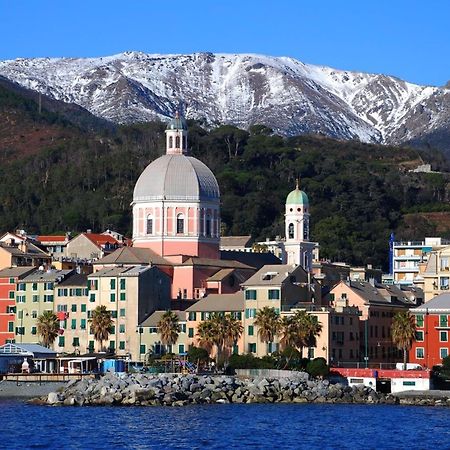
<point>240,89</point>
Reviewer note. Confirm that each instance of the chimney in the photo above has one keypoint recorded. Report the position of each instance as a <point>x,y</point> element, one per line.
<point>23,246</point>
<point>89,231</point>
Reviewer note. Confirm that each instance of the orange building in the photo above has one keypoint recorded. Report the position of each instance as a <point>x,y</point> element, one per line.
<point>432,332</point>
<point>8,281</point>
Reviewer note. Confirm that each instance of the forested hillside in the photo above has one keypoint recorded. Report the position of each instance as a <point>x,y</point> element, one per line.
<point>59,175</point>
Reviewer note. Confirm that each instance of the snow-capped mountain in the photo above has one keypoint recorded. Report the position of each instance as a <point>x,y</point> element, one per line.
<point>241,89</point>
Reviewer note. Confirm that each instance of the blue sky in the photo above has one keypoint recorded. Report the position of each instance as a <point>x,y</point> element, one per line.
<point>409,39</point>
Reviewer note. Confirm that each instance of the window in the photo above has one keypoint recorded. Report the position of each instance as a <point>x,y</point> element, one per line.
<point>122,312</point>
<point>114,314</point>
<point>12,281</point>
<point>252,348</point>
<point>250,294</point>
<point>180,224</point>
<point>419,320</point>
<point>170,141</point>
<point>112,297</point>
<point>21,286</point>
<point>149,224</point>
<point>443,352</point>
<point>83,324</point>
<point>74,308</point>
<point>76,342</point>
<point>10,327</point>
<point>48,298</point>
<point>180,348</point>
<point>11,294</point>
<point>122,283</point>
<point>250,313</point>
<point>93,284</point>
<point>208,225</point>
<point>142,349</point>
<point>183,328</point>
<point>11,309</point>
<point>291,231</point>
<point>112,283</point>
<point>35,298</point>
<point>74,324</point>
<point>443,321</point>
<point>122,296</point>
<point>274,294</point>
<point>420,353</point>
<point>153,330</point>
<point>177,141</point>
<point>122,328</point>
<point>20,330</point>
<point>61,341</point>
<point>91,346</point>
<point>192,316</point>
<point>48,287</point>
<point>62,292</point>
<point>443,336</point>
<point>61,308</point>
<point>250,330</point>
<point>112,345</point>
<point>121,345</point>
<point>83,307</point>
<point>20,299</point>
<point>33,330</point>
<point>35,287</point>
<point>92,297</point>
<point>419,336</point>
<point>190,332</point>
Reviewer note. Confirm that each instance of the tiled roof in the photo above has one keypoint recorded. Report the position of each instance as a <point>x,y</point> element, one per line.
<point>272,275</point>
<point>153,319</point>
<point>440,303</point>
<point>77,279</point>
<point>50,276</point>
<point>43,239</point>
<point>235,241</point>
<point>16,271</point>
<point>252,259</point>
<point>120,271</point>
<point>219,303</point>
<point>132,255</point>
<point>101,239</point>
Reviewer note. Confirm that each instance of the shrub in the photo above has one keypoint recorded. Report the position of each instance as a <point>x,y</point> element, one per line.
<point>318,367</point>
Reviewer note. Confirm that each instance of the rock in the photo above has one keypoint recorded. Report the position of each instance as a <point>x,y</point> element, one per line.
<point>52,398</point>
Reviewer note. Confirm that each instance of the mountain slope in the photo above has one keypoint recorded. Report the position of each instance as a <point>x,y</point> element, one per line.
<point>244,89</point>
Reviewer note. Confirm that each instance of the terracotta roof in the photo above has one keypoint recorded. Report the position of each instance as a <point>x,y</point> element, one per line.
<point>101,239</point>
<point>220,303</point>
<point>133,255</point>
<point>153,320</point>
<point>43,239</point>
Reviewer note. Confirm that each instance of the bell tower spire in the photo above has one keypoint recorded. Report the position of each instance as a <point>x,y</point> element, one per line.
<point>176,136</point>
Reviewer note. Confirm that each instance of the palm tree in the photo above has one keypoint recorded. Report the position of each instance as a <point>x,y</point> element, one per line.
<point>169,328</point>
<point>48,327</point>
<point>403,333</point>
<point>220,331</point>
<point>268,322</point>
<point>101,324</point>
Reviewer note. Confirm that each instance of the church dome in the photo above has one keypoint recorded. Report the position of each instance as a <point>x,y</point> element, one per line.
<point>176,177</point>
<point>297,197</point>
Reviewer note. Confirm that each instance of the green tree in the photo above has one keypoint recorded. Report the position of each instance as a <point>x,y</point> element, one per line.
<point>220,331</point>
<point>48,327</point>
<point>101,324</point>
<point>268,322</point>
<point>169,328</point>
<point>403,333</point>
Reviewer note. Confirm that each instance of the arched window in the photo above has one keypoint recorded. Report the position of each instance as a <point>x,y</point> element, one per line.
<point>291,231</point>
<point>180,224</point>
<point>177,142</point>
<point>305,230</point>
<point>208,225</point>
<point>170,142</point>
<point>185,142</point>
<point>149,224</point>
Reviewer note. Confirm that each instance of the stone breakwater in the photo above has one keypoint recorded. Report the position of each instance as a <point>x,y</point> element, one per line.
<point>180,390</point>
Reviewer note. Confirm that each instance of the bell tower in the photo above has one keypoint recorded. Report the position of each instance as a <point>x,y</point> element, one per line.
<point>298,249</point>
<point>176,136</point>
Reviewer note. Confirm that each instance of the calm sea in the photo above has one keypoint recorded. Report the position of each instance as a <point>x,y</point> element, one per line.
<point>224,426</point>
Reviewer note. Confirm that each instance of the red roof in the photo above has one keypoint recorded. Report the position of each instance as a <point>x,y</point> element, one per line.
<point>52,238</point>
<point>101,239</point>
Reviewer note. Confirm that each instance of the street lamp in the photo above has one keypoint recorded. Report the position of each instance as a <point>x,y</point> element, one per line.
<point>140,330</point>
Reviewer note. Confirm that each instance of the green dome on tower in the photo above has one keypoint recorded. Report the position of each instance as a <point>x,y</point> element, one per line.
<point>177,123</point>
<point>297,197</point>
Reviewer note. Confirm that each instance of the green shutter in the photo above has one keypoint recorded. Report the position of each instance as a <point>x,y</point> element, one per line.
<point>250,330</point>
<point>113,283</point>
<point>83,307</point>
<point>191,332</point>
<point>74,324</point>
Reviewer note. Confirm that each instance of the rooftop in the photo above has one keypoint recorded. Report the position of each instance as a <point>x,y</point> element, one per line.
<point>19,272</point>
<point>46,276</point>
<point>153,320</point>
<point>272,275</point>
<point>219,303</point>
<point>133,255</point>
<point>235,241</point>
<point>129,271</point>
<point>440,303</point>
